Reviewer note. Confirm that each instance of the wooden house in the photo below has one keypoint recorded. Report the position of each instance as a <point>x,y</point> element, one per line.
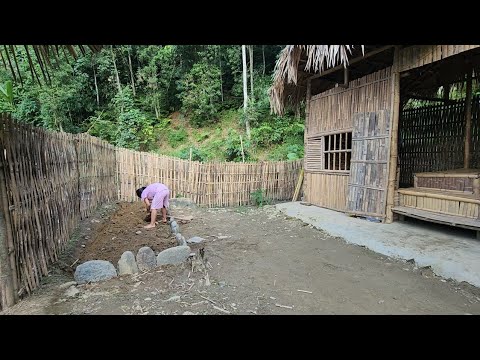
<point>391,130</point>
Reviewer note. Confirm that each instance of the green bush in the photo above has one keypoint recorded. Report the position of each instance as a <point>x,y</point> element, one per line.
<point>287,152</point>
<point>258,198</point>
<point>233,151</point>
<point>175,137</point>
<point>197,154</point>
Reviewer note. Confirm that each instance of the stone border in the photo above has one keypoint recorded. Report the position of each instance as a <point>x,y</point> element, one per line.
<point>145,260</point>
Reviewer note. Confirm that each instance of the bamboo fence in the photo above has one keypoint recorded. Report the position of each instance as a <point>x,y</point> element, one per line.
<point>49,181</point>
<point>215,184</point>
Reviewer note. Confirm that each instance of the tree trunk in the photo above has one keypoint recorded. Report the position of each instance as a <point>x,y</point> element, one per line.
<point>245,94</point>
<point>96,85</point>
<point>116,71</point>
<point>221,80</point>
<point>157,113</point>
<point>263,54</point>
<point>250,51</point>
<point>131,72</point>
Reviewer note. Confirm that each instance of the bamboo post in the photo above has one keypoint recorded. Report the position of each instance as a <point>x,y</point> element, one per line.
<point>305,133</point>
<point>468,120</point>
<point>393,157</point>
<point>9,277</point>
<point>7,291</point>
<point>190,184</point>
<point>241,147</point>
<point>299,185</point>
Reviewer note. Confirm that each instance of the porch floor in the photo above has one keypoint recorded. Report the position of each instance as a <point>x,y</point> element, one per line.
<point>446,219</point>
<point>450,251</point>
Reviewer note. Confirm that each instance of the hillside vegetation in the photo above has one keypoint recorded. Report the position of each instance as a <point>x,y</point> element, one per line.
<point>168,99</point>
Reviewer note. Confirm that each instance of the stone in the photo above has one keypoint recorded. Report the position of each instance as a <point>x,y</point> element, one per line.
<point>127,264</point>
<point>72,291</point>
<point>188,313</point>
<point>146,259</point>
<point>94,270</point>
<point>67,284</point>
<point>195,240</point>
<point>180,239</point>
<point>138,232</point>
<point>173,256</point>
<point>174,226</point>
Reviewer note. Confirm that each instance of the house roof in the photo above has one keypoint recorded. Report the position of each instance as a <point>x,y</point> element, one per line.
<point>297,63</point>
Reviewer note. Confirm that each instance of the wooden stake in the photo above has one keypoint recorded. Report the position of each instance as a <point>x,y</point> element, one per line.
<point>299,185</point>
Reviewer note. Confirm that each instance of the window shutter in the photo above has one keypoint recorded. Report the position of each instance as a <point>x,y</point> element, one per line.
<point>314,154</point>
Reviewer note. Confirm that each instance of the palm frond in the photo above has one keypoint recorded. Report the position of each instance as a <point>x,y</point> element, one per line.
<point>318,59</point>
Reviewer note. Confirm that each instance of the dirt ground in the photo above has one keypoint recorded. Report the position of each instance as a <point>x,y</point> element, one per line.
<point>122,231</point>
<point>256,261</point>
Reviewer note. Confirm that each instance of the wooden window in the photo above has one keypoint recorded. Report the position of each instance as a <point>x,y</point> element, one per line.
<point>314,154</point>
<point>331,152</point>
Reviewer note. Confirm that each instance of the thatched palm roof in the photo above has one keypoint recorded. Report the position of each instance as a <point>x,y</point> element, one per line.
<point>289,73</point>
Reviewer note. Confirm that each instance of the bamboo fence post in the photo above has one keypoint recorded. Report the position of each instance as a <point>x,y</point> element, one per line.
<point>468,120</point>
<point>8,276</point>
<point>393,156</point>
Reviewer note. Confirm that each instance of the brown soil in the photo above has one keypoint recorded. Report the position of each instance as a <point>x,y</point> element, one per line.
<point>123,231</point>
<point>257,261</point>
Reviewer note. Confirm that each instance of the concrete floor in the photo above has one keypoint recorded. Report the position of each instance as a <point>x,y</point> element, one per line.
<point>451,252</point>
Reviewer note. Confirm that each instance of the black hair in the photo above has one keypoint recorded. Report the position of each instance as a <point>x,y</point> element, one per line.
<point>139,191</point>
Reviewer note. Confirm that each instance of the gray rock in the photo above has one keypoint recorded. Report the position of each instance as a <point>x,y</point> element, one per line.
<point>146,259</point>
<point>180,239</point>
<point>67,284</point>
<point>182,202</point>
<point>94,270</point>
<point>195,240</point>
<point>173,256</point>
<point>174,226</point>
<point>72,291</point>
<point>188,313</point>
<point>127,264</point>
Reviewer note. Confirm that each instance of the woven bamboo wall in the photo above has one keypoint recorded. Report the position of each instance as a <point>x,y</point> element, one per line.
<point>432,138</point>
<point>207,184</point>
<point>419,55</point>
<point>333,111</point>
<point>327,190</point>
<point>97,172</point>
<point>41,203</point>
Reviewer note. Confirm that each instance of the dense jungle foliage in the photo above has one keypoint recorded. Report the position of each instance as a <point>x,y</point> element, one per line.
<point>170,99</point>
